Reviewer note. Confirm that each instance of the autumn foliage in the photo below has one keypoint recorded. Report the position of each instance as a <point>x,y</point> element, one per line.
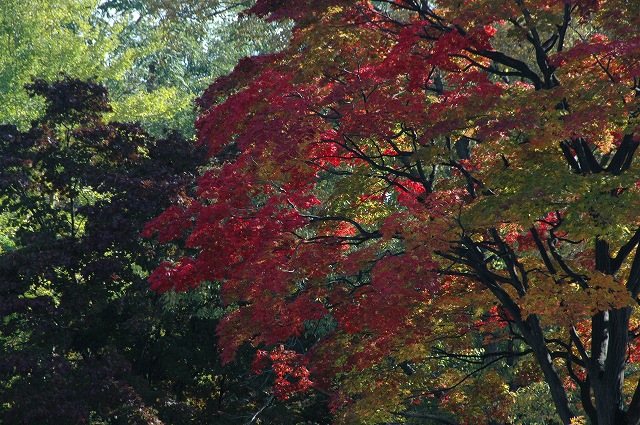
<point>421,208</point>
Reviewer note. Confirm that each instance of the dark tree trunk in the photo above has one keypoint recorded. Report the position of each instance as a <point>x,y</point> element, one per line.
<point>609,348</point>
<point>535,339</point>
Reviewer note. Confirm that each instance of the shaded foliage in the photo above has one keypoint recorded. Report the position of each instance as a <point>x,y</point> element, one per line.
<point>82,338</point>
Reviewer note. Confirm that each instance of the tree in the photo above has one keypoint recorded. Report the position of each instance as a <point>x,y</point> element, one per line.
<point>426,206</point>
<point>152,56</point>
<point>176,50</point>
<point>80,336</point>
<point>29,30</point>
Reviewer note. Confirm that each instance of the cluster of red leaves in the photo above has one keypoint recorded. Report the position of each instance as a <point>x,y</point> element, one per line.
<point>497,318</point>
<point>291,373</point>
<point>244,72</point>
<point>620,56</point>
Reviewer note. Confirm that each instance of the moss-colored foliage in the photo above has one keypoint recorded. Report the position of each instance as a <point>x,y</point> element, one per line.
<point>533,406</point>
<point>43,39</point>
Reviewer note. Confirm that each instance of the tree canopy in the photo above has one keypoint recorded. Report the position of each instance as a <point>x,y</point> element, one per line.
<point>425,209</point>
<point>155,57</point>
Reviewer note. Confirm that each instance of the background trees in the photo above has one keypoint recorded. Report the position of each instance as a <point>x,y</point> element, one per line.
<point>41,40</point>
<point>155,57</point>
<point>427,207</point>
<point>176,49</point>
<point>78,326</point>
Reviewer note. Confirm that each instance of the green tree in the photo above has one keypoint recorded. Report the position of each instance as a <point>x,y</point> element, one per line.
<point>43,38</point>
<point>155,57</point>
<point>181,47</point>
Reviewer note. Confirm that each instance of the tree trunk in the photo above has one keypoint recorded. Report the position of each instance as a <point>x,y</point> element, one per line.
<point>608,360</point>
<point>535,338</point>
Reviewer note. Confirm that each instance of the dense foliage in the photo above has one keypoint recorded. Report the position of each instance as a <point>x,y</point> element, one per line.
<point>428,209</point>
<point>155,57</point>
<point>82,339</point>
<point>78,191</point>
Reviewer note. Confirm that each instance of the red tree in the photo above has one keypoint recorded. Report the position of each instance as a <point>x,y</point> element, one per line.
<point>414,191</point>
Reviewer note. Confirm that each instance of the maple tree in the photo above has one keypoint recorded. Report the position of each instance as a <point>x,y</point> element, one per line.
<point>422,207</point>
